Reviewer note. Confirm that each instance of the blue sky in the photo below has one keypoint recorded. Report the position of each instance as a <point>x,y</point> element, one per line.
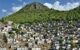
<point>10,6</point>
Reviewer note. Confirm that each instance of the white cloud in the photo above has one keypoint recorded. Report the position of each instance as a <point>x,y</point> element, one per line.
<point>16,8</point>
<point>24,3</point>
<point>4,10</point>
<point>49,5</point>
<point>58,6</point>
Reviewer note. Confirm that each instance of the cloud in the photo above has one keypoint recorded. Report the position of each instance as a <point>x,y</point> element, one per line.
<point>58,6</point>
<point>4,10</point>
<point>24,3</point>
<point>16,8</point>
<point>49,5</point>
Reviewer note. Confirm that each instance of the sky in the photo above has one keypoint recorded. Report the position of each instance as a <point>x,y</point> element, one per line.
<point>8,7</point>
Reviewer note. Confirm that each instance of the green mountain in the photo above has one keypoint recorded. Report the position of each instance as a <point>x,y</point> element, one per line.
<point>37,12</point>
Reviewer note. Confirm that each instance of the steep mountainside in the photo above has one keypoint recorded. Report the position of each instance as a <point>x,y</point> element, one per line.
<point>37,12</point>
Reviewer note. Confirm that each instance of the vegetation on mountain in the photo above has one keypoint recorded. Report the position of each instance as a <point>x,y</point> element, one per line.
<point>37,12</point>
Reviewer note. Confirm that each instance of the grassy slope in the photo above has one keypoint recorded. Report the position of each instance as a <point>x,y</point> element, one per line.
<point>30,14</point>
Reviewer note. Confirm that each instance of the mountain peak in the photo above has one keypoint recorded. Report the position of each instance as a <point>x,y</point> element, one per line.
<point>36,5</point>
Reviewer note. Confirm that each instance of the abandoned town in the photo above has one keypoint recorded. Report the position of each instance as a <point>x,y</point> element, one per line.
<point>54,35</point>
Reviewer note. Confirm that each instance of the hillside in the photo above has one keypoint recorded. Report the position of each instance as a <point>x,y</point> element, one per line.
<point>37,12</point>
